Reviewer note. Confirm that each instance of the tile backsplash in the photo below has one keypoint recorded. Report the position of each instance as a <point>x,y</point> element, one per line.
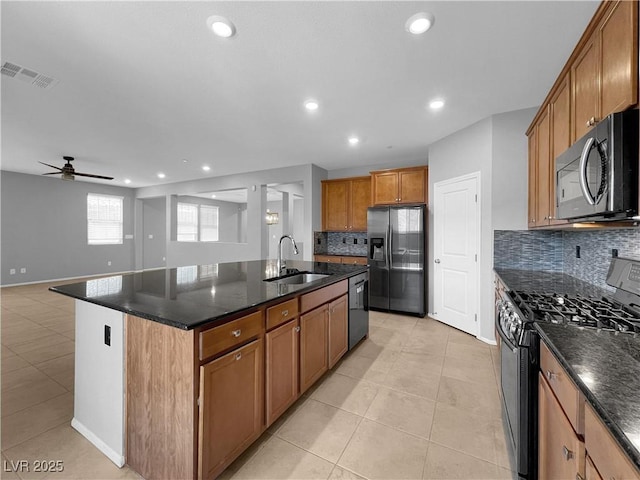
<point>340,243</point>
<point>554,250</point>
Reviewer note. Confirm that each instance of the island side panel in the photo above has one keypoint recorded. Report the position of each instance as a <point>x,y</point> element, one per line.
<point>161,400</point>
<point>98,411</point>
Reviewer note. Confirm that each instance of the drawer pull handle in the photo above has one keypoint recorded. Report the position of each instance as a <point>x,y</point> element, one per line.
<point>238,356</point>
<point>551,375</point>
<point>236,333</point>
<point>297,329</point>
<point>285,313</point>
<point>566,453</point>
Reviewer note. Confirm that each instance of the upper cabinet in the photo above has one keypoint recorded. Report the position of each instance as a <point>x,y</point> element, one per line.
<point>399,186</point>
<point>600,78</point>
<point>604,73</point>
<point>344,204</point>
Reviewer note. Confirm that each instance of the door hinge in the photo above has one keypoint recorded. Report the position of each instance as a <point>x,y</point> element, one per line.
<point>476,255</point>
<point>475,317</point>
<point>476,198</point>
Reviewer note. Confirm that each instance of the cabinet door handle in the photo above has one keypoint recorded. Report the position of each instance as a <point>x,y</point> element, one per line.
<point>551,375</point>
<point>297,329</point>
<point>285,313</point>
<point>236,333</point>
<point>566,453</point>
<point>238,356</point>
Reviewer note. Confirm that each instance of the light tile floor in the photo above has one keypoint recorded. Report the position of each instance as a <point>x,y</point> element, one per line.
<point>417,399</point>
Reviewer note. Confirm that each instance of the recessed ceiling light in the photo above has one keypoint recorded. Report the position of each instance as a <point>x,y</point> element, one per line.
<point>311,105</point>
<point>206,168</point>
<point>161,175</point>
<point>436,104</point>
<point>221,26</point>
<point>419,23</point>
<point>127,181</point>
<point>353,141</point>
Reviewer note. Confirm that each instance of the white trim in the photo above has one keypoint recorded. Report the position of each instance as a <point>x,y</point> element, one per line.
<point>111,454</point>
<point>487,340</point>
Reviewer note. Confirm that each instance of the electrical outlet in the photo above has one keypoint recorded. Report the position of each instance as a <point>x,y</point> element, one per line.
<point>108,263</point>
<point>614,252</point>
<point>12,271</point>
<point>107,335</point>
<point>355,241</point>
<point>150,236</point>
<point>23,270</point>
<point>577,251</point>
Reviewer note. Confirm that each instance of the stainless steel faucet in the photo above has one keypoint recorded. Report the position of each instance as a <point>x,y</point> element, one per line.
<point>281,265</point>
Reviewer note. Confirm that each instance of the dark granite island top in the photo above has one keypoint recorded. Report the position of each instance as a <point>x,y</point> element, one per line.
<point>188,297</point>
<point>604,365</point>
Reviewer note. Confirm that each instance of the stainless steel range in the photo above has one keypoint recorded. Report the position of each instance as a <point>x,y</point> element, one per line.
<point>519,346</point>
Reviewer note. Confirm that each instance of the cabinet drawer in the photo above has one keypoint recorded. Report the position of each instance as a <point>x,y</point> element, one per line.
<point>278,314</point>
<point>328,258</point>
<point>355,260</point>
<point>311,300</point>
<point>225,336</point>
<point>564,389</point>
<point>609,459</point>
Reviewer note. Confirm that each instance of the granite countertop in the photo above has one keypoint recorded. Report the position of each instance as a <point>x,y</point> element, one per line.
<point>548,282</point>
<point>604,365</point>
<point>606,368</point>
<point>188,297</point>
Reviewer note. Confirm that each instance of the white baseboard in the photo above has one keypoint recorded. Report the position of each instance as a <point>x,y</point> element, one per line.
<point>112,455</point>
<point>487,340</point>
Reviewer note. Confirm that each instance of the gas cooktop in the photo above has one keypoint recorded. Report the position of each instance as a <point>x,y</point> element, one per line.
<point>601,313</point>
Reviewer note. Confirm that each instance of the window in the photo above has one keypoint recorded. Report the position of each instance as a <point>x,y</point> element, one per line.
<point>208,223</point>
<point>104,219</point>
<point>187,222</point>
<point>197,223</point>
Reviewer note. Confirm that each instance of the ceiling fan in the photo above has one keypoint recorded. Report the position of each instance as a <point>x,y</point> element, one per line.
<point>69,173</point>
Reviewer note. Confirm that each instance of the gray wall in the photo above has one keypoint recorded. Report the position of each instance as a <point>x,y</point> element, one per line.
<point>497,148</point>
<point>44,229</point>
<point>154,232</point>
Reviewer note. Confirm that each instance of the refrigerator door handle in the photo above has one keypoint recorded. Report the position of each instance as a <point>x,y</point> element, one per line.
<point>389,246</point>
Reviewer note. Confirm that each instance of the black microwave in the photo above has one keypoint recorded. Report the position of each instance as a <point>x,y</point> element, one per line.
<point>597,177</point>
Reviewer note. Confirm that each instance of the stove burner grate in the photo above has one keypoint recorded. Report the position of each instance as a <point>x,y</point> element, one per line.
<point>577,310</point>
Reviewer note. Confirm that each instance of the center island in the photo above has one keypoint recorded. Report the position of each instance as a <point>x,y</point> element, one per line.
<point>179,370</point>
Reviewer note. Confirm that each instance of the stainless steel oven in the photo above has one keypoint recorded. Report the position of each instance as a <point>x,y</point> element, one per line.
<point>519,346</point>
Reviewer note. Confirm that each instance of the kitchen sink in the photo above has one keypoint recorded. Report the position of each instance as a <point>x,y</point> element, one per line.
<point>297,278</point>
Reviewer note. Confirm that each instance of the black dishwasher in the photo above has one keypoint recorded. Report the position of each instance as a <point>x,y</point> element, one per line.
<point>358,308</point>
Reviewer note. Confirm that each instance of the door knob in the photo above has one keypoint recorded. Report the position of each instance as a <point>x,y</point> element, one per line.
<point>437,260</point>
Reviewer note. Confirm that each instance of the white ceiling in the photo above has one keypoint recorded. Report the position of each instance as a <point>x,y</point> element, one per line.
<point>144,85</point>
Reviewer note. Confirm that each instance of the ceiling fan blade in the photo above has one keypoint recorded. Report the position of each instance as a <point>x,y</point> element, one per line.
<point>52,173</point>
<point>92,176</point>
<point>52,166</point>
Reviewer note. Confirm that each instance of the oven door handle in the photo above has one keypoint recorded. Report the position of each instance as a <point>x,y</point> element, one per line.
<point>506,340</point>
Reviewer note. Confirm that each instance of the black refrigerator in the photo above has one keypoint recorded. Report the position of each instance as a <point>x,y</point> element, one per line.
<point>396,238</point>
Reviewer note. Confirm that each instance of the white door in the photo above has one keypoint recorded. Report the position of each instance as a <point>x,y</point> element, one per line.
<point>456,221</point>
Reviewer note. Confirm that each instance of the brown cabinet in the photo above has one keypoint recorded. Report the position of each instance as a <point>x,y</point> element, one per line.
<point>314,359</point>
<point>231,406</point>
<point>609,460</point>
<point>340,259</point>
<point>338,329</point>
<point>560,450</point>
<point>600,78</point>
<point>281,369</point>
<point>344,204</point>
<point>605,72</point>
<point>402,185</point>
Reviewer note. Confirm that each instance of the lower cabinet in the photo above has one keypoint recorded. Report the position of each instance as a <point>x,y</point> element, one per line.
<point>281,369</point>
<point>314,355</point>
<point>591,473</point>
<point>560,451</point>
<point>338,334</point>
<point>231,407</point>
